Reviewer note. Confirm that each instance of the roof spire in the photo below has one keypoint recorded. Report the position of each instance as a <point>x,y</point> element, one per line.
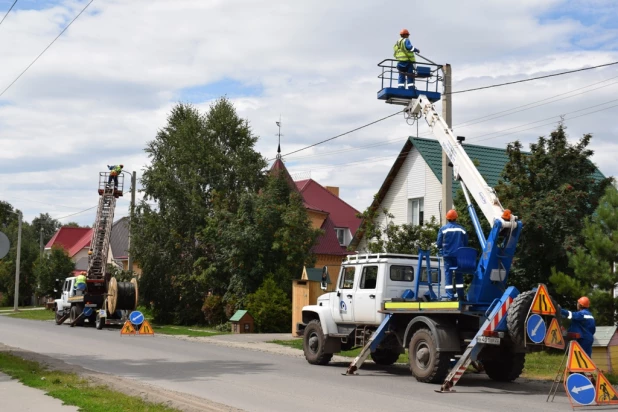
<point>279,135</point>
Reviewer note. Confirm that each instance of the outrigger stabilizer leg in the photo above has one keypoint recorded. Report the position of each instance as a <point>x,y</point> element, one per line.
<point>371,346</point>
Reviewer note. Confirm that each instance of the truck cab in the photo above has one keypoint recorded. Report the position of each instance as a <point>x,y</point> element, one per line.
<point>346,318</point>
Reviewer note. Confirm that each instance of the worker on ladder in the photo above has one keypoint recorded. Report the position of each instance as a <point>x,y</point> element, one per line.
<point>80,283</point>
<point>404,53</point>
<point>115,171</point>
<point>451,237</point>
<point>582,323</point>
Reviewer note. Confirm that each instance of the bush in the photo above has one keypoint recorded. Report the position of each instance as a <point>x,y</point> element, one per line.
<point>214,310</point>
<point>224,327</point>
<point>270,307</point>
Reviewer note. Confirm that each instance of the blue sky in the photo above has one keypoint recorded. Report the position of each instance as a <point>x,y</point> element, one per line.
<point>102,91</point>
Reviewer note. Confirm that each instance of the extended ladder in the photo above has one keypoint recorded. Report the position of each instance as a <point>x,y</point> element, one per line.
<point>102,228</point>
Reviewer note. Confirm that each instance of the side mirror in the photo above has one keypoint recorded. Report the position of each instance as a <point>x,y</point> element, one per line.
<point>55,290</point>
<point>324,282</point>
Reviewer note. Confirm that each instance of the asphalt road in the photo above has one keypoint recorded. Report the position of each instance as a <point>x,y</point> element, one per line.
<point>258,381</point>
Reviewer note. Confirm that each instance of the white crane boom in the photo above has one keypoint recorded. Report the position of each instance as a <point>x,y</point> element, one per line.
<point>463,167</point>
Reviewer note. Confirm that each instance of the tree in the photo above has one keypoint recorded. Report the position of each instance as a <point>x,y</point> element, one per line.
<point>593,262</point>
<point>55,265</point>
<point>48,224</point>
<point>270,307</point>
<point>552,189</point>
<point>192,158</point>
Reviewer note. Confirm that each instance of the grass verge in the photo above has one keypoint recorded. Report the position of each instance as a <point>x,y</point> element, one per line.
<point>192,331</point>
<point>73,390</point>
<point>298,344</point>
<point>34,314</point>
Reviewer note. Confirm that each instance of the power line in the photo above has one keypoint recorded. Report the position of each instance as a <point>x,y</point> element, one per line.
<point>50,44</point>
<point>534,78</point>
<point>7,13</point>
<point>76,213</point>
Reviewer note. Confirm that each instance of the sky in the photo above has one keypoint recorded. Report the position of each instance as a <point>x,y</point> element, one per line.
<point>104,88</point>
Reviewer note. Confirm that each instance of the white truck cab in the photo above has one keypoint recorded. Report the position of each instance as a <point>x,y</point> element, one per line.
<point>345,318</point>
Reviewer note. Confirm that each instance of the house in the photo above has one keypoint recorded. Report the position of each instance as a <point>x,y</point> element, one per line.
<point>412,190</point>
<point>76,242</point>
<point>119,243</point>
<point>242,322</point>
<point>605,348</point>
<point>327,211</point>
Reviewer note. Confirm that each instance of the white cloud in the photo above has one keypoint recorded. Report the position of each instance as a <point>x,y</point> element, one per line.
<point>106,86</point>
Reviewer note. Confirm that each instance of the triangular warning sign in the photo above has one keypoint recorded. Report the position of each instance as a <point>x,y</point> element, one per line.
<point>146,329</point>
<point>554,338</point>
<point>127,328</point>
<point>606,393</point>
<point>579,361</point>
<point>542,303</point>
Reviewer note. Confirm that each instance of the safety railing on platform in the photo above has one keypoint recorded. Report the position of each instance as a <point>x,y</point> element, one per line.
<point>106,183</point>
<point>426,77</point>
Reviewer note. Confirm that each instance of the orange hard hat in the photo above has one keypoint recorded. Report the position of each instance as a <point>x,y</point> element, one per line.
<point>83,273</point>
<point>451,215</point>
<point>404,32</point>
<point>584,302</point>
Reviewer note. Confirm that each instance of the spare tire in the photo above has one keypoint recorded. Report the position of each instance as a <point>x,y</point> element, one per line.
<point>516,317</point>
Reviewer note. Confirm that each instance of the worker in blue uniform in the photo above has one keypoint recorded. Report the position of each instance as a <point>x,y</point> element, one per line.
<point>451,237</point>
<point>404,54</point>
<point>582,323</point>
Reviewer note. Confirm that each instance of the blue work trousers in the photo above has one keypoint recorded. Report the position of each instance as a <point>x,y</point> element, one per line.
<point>405,68</point>
<point>586,346</point>
<point>451,262</point>
<point>114,179</point>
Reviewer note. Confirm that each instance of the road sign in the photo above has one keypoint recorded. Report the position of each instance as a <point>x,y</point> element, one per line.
<point>554,338</point>
<point>578,360</point>
<point>536,328</point>
<point>580,389</point>
<point>146,329</point>
<point>127,329</point>
<point>542,303</point>
<point>87,312</point>
<point>136,317</point>
<point>606,393</point>
<point>5,245</point>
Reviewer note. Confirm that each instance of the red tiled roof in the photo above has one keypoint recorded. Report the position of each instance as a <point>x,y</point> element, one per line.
<point>328,243</point>
<point>341,213</point>
<point>71,238</point>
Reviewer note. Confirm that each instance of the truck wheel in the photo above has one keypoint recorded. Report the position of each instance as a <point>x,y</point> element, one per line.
<point>426,363</point>
<point>507,368</point>
<point>99,322</point>
<point>516,317</point>
<point>314,344</point>
<point>58,318</point>
<point>74,314</point>
<point>384,356</point>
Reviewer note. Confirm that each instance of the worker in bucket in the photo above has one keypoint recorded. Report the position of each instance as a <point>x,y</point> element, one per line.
<point>115,171</point>
<point>404,54</point>
<point>80,283</point>
<point>582,323</point>
<point>451,237</point>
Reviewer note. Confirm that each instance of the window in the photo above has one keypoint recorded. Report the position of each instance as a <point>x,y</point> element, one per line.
<point>370,277</point>
<point>434,276</point>
<point>416,211</point>
<point>402,273</point>
<point>246,327</point>
<point>347,280</point>
<point>340,236</point>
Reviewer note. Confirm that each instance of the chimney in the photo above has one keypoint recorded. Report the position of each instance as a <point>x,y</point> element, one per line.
<point>334,190</point>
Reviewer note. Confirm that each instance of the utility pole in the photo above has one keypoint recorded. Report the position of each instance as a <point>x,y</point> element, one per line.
<point>132,207</point>
<point>41,242</point>
<point>447,171</point>
<point>16,301</point>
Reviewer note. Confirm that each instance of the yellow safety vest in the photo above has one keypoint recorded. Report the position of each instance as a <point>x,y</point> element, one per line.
<point>401,53</point>
<point>80,279</point>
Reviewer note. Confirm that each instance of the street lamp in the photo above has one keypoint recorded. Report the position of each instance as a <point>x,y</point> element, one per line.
<point>132,207</point>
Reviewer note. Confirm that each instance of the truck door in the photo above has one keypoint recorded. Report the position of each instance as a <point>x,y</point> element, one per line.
<point>367,296</point>
<point>66,291</point>
<point>344,311</point>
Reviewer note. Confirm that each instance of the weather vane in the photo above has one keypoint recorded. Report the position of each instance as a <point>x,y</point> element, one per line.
<point>279,135</point>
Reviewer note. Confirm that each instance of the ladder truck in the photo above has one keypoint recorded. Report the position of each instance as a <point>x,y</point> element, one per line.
<point>486,326</point>
<point>99,303</point>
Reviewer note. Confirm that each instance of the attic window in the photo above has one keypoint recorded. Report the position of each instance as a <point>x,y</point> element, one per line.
<point>340,236</point>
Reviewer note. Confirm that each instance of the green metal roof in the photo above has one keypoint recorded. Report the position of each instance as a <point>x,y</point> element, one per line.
<point>315,274</point>
<point>238,316</point>
<point>490,160</point>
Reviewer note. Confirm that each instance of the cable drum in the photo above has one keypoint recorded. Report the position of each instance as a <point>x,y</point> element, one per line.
<point>122,295</point>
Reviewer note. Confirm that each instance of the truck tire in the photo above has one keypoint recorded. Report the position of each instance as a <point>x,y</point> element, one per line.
<point>99,322</point>
<point>58,318</point>
<point>507,368</point>
<point>314,344</point>
<point>517,315</point>
<point>384,356</point>
<point>74,314</point>
<point>426,363</point>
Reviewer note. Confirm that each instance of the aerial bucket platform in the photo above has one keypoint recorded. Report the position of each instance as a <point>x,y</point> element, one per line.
<point>427,78</point>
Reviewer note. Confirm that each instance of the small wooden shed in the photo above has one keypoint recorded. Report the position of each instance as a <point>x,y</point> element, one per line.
<point>306,290</point>
<point>242,322</point>
<point>605,348</point>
